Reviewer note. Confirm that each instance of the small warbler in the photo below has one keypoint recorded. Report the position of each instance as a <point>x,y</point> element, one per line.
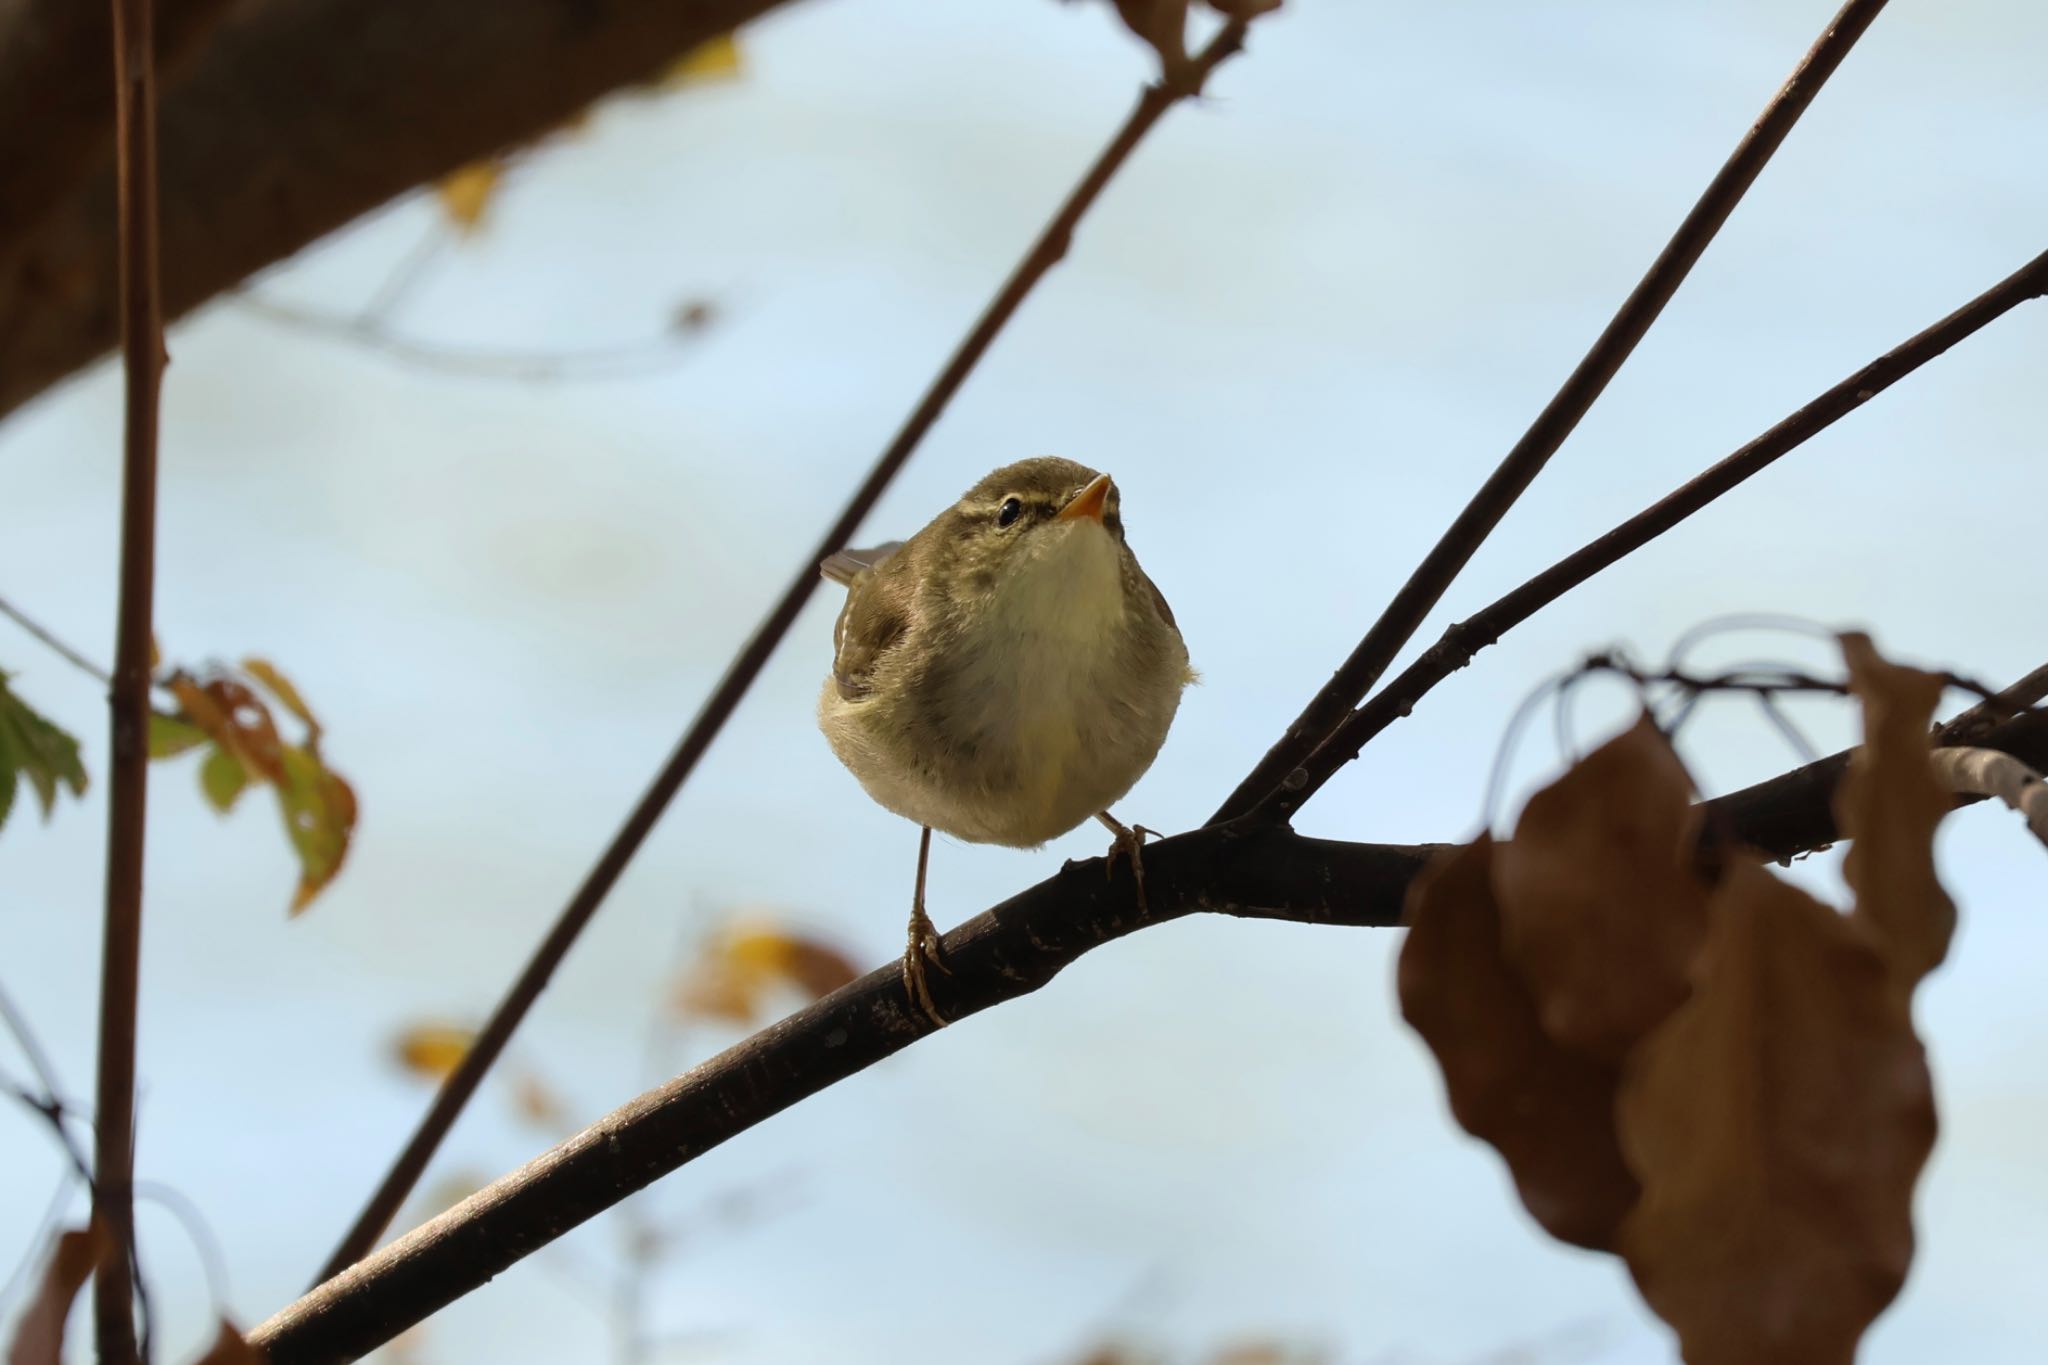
<point>1004,674</point>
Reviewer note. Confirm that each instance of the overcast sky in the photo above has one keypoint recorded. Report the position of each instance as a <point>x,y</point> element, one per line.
<point>1301,328</point>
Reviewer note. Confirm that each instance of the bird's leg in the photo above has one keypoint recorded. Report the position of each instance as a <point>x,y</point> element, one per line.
<point>1130,843</point>
<point>925,945</point>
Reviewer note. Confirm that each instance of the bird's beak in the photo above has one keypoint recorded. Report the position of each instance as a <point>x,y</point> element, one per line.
<point>1090,502</point>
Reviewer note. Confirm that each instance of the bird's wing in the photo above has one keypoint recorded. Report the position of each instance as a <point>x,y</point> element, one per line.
<point>873,622</point>
<point>846,565</point>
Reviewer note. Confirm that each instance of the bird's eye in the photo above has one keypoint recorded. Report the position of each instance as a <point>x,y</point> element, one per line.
<point>1011,509</point>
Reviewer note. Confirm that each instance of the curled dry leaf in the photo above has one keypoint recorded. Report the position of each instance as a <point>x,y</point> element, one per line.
<point>432,1050</point>
<point>1888,805</point>
<point>1548,1111</point>
<point>1601,910</point>
<point>229,1348</point>
<point>1778,1121</point>
<point>39,1335</point>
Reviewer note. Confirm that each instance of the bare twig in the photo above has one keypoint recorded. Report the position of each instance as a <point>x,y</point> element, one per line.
<point>1420,594</point>
<point>1987,772</point>
<point>999,955</point>
<point>63,651</point>
<point>2003,705</point>
<point>143,359</point>
<point>1050,246</point>
<point>1465,639</point>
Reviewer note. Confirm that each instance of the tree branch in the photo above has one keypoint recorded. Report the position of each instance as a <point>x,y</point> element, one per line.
<point>121,960</point>
<point>1426,586</point>
<point>1045,252</point>
<point>1463,640</point>
<point>296,117</point>
<point>1001,954</point>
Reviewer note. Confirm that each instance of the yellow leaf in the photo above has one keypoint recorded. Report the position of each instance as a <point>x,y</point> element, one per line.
<point>741,966</point>
<point>432,1051</point>
<point>265,672</point>
<point>717,59</point>
<point>465,192</point>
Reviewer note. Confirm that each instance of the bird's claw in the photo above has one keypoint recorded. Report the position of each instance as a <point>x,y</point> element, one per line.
<point>1130,843</point>
<point>926,948</point>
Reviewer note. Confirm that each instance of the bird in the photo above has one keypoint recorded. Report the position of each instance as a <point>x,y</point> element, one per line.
<point>1004,674</point>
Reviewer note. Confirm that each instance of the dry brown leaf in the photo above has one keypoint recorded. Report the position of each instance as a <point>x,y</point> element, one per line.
<point>1778,1121</point>
<point>1162,24</point>
<point>1601,910</point>
<point>432,1051</point>
<point>39,1335</point>
<point>230,1349</point>
<point>234,718</point>
<point>1888,805</point>
<point>1548,1111</point>
<point>742,966</point>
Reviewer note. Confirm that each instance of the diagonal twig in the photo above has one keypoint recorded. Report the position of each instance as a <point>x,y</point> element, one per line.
<point>142,348</point>
<point>1459,643</point>
<point>1518,469</point>
<point>999,955</point>
<point>1044,253</point>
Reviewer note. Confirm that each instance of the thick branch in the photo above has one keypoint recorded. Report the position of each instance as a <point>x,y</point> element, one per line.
<point>1518,469</point>
<point>1004,953</point>
<point>1465,639</point>
<point>298,116</point>
<point>1049,248</point>
<point>1001,954</point>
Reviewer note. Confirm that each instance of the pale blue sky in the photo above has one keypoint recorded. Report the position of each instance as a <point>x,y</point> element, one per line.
<point>1299,330</point>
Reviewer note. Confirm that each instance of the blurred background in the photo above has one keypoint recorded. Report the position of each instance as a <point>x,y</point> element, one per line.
<point>1299,329</point>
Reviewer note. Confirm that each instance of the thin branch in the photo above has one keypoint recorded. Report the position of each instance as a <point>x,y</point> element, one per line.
<point>2004,705</point>
<point>1001,954</point>
<point>1050,246</point>
<point>1986,772</point>
<point>143,359</point>
<point>1465,639</point>
<point>1426,586</point>
<point>64,651</point>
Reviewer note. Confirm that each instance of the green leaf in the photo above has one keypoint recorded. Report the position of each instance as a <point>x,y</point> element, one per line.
<point>8,783</point>
<point>33,747</point>
<point>223,778</point>
<point>319,810</point>
<point>172,735</point>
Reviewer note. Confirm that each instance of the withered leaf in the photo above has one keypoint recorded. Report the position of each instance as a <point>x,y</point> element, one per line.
<point>39,1335</point>
<point>319,809</point>
<point>229,1348</point>
<point>1888,805</point>
<point>266,672</point>
<point>234,718</point>
<point>432,1050</point>
<point>1777,1121</point>
<point>741,966</point>
<point>1601,911</point>
<point>1547,1110</point>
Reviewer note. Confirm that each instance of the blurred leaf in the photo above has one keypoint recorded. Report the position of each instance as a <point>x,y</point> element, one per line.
<point>712,61</point>
<point>171,735</point>
<point>1547,1110</point>
<point>265,672</point>
<point>1601,911</point>
<point>450,1190</point>
<point>432,1051</point>
<point>39,1335</point>
<point>222,778</point>
<point>1162,24</point>
<point>33,747</point>
<point>234,718</point>
<point>466,192</point>
<point>230,1349</point>
<point>742,965</point>
<point>536,1102</point>
<point>1778,1122</point>
<point>319,810</point>
<point>1888,805</point>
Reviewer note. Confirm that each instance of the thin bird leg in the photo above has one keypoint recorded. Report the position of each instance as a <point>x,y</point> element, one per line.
<point>1130,843</point>
<point>925,943</point>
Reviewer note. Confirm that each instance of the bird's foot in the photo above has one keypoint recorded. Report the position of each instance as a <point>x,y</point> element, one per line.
<point>1130,843</point>
<point>925,949</point>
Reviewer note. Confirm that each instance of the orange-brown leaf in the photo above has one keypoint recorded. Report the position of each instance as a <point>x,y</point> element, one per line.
<point>1888,805</point>
<point>39,1335</point>
<point>741,966</point>
<point>234,718</point>
<point>230,1349</point>
<point>1548,1111</point>
<point>432,1050</point>
<point>1778,1121</point>
<point>1601,911</point>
